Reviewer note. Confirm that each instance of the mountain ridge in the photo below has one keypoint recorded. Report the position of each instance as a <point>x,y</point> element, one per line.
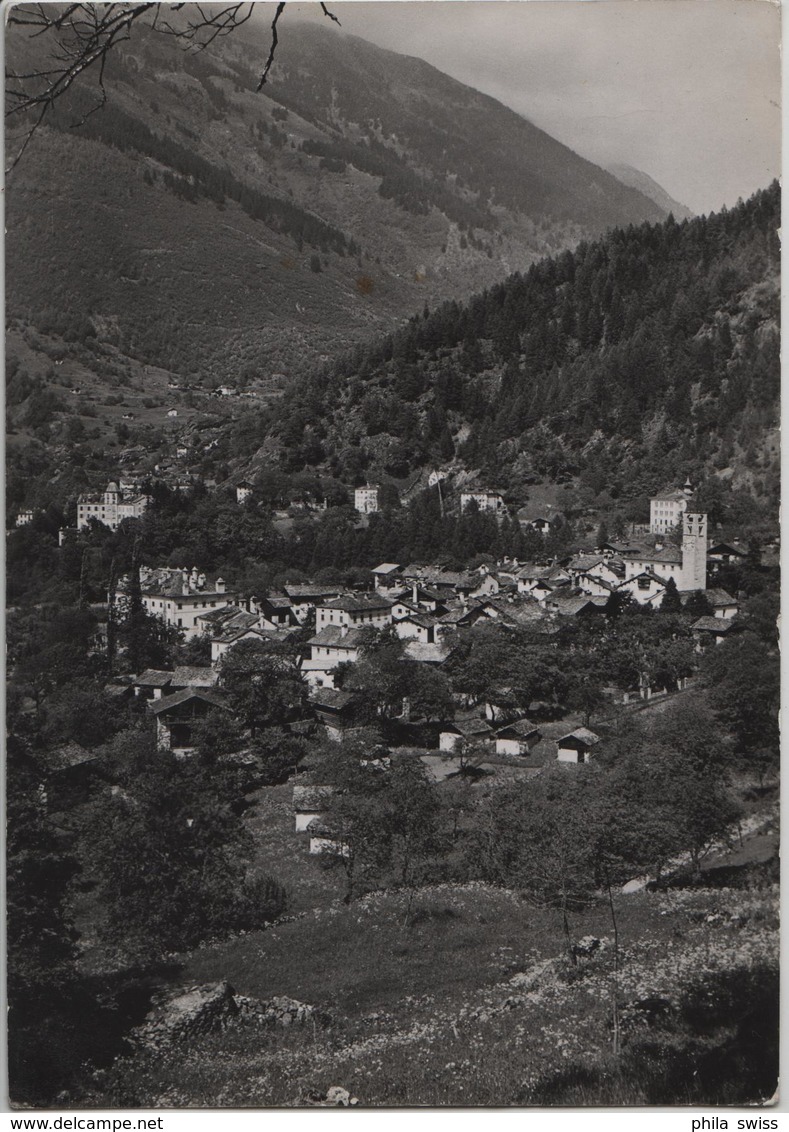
<point>638,179</point>
<point>276,294</point>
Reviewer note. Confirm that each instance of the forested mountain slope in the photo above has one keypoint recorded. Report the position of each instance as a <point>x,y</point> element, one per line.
<point>224,233</point>
<point>647,355</point>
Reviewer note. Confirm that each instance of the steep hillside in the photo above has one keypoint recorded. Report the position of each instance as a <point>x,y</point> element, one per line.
<point>645,184</point>
<point>648,355</point>
<point>220,232</point>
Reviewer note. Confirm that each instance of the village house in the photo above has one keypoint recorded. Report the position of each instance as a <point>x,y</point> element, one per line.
<point>332,646</point>
<point>538,581</point>
<point>723,553</point>
<point>713,630</point>
<point>324,839</point>
<point>540,519</point>
<point>593,586</point>
<point>355,611</point>
<point>577,746</point>
<point>309,803</point>
<point>417,627</point>
<point>213,622</point>
<point>229,638</point>
<point>177,715</point>
<point>417,599</point>
<point>110,507</point>
<point>444,583</point>
<point>23,518</point>
<point>386,577</point>
<point>517,738</point>
<point>333,709</point>
<point>472,729</point>
<point>490,501</point>
<point>275,612</point>
<point>462,617</point>
<point>667,508</point>
<point>593,566</point>
<point>569,602</point>
<point>723,604</point>
<point>152,684</point>
<point>645,588</point>
<point>365,499</point>
<point>178,597</point>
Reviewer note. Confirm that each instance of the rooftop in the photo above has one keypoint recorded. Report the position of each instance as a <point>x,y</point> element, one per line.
<point>153,678</point>
<point>194,676</point>
<point>719,597</point>
<point>208,695</point>
<point>711,624</point>
<point>521,728</point>
<point>667,554</point>
<point>583,735</point>
<point>331,698</point>
<point>333,635</point>
<point>362,603</point>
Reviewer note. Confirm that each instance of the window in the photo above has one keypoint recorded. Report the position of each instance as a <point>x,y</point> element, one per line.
<point>644,583</point>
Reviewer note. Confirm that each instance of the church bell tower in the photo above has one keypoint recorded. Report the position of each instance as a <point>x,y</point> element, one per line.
<point>694,552</point>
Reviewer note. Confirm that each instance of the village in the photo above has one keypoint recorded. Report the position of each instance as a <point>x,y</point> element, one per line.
<point>424,611</point>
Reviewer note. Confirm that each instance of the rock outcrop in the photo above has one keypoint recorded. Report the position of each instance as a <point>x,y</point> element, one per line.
<point>189,1013</point>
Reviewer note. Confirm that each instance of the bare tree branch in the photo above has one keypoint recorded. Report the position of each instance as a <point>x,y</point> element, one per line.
<point>274,42</point>
<point>331,15</point>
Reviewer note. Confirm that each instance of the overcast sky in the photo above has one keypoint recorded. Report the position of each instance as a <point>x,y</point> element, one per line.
<point>686,90</point>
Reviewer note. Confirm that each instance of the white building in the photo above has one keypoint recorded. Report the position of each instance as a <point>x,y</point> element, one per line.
<point>668,507</point>
<point>365,499</point>
<point>243,491</point>
<point>485,500</point>
<point>355,611</point>
<point>110,507</point>
<point>178,597</point>
<point>577,746</point>
<point>23,518</point>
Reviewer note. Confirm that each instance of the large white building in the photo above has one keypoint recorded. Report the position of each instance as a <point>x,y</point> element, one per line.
<point>178,597</point>
<point>485,500</point>
<point>668,507</point>
<point>110,507</point>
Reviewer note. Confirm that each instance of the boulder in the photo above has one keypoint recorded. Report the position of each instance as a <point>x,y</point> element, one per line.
<point>196,1010</point>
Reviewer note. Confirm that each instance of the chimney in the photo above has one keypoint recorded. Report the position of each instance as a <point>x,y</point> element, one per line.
<point>415,593</point>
